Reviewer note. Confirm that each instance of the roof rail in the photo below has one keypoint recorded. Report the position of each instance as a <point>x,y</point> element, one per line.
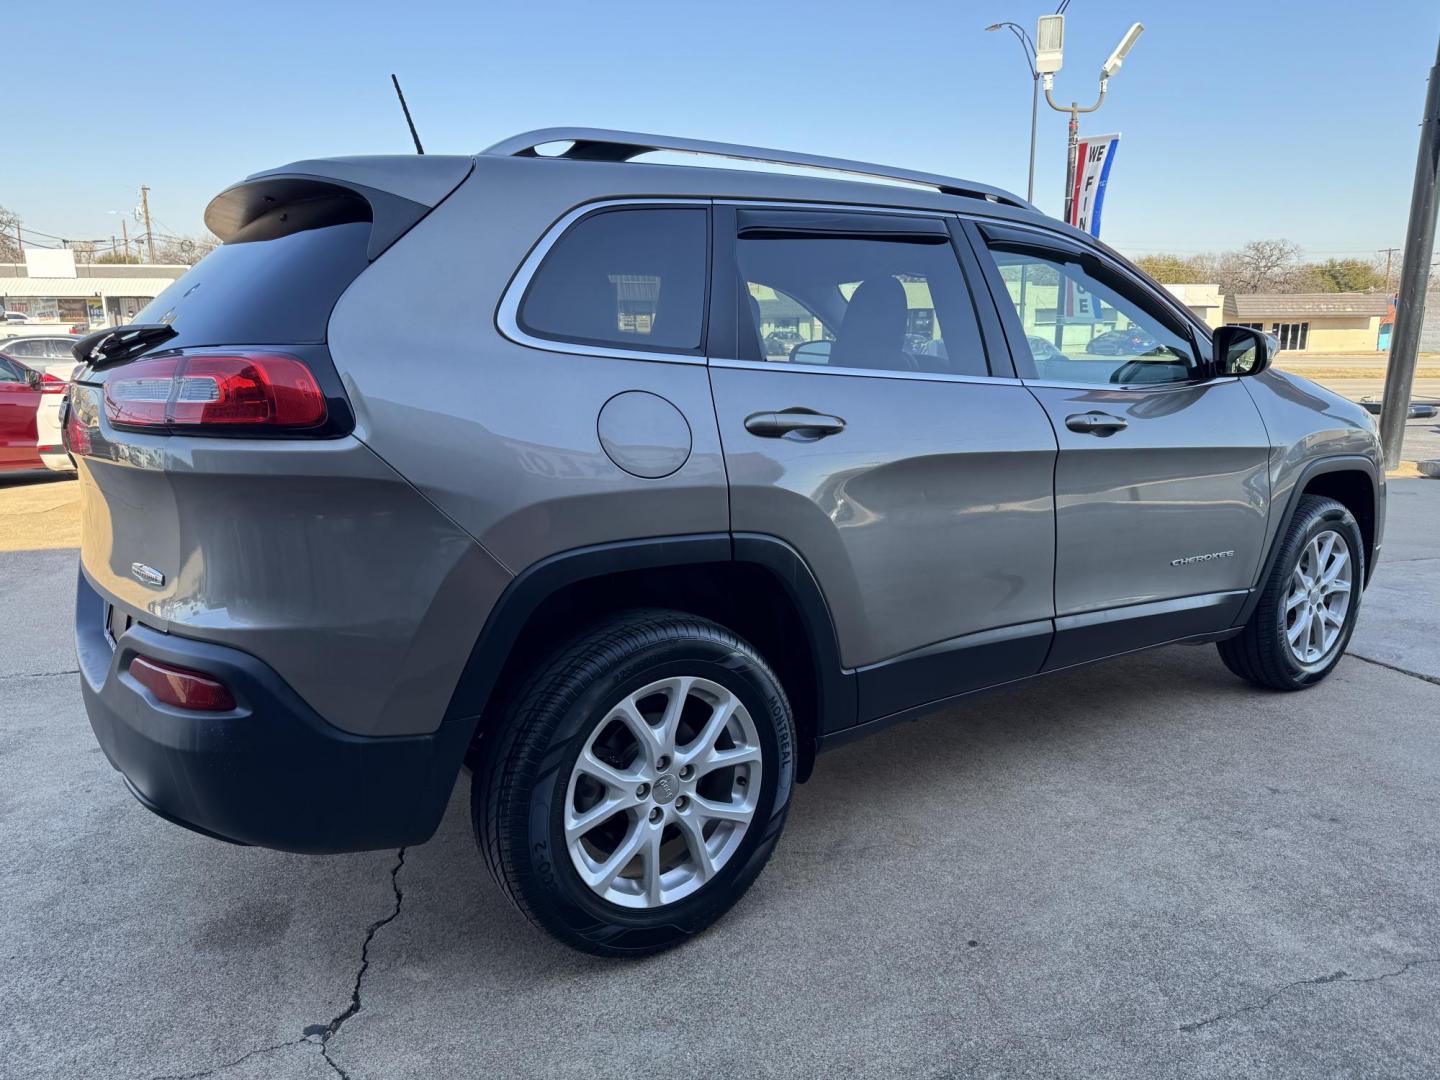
<point>599,144</point>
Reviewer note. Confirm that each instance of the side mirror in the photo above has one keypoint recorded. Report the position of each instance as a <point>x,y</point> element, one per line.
<point>811,352</point>
<point>1239,350</point>
<point>33,378</point>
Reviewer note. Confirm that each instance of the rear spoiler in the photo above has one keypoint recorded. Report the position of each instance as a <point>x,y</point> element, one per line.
<point>391,192</point>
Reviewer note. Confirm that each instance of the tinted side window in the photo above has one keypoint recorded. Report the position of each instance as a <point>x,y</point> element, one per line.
<point>1084,325</point>
<point>849,301</point>
<point>628,278</point>
<point>25,348</point>
<point>10,372</point>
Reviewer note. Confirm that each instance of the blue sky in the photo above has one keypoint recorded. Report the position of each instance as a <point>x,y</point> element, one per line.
<point>1240,120</point>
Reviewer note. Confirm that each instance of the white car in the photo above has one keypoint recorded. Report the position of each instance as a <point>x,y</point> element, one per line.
<point>52,360</point>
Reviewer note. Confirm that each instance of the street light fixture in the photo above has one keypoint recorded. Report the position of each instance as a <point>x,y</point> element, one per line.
<point>1028,47</point>
<point>1050,33</point>
<point>1051,28</point>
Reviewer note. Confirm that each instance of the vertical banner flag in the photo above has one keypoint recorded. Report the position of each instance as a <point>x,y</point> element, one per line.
<point>1092,173</point>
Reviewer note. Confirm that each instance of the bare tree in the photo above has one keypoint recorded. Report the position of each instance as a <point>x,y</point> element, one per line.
<point>10,236</point>
<point>183,250</point>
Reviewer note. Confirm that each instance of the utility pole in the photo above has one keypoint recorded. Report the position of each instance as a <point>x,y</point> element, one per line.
<point>1414,269</point>
<point>145,212</point>
<point>1389,254</point>
<point>125,235</point>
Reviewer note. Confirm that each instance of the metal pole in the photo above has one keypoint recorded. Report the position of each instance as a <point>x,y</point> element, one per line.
<point>1072,153</point>
<point>1034,117</point>
<point>1414,270</point>
<point>125,235</point>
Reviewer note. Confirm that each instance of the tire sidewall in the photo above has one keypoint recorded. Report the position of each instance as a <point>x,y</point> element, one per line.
<point>1335,517</point>
<point>561,894</point>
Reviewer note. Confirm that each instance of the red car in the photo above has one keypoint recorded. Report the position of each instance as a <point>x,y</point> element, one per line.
<point>30,418</point>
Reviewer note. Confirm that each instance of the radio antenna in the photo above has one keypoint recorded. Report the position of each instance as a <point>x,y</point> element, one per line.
<point>413,133</point>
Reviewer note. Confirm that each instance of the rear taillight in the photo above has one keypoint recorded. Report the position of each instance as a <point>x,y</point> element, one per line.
<point>75,433</point>
<point>180,687</point>
<point>49,384</point>
<point>232,389</point>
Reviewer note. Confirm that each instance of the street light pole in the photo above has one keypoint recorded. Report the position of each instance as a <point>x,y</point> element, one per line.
<point>1028,48</point>
<point>1072,146</point>
<point>1414,269</point>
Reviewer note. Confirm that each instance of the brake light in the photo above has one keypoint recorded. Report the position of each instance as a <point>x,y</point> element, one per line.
<point>180,687</point>
<point>250,389</point>
<point>49,384</point>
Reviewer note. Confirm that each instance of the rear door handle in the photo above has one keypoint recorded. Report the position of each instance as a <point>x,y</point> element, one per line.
<point>1096,423</point>
<point>802,422</point>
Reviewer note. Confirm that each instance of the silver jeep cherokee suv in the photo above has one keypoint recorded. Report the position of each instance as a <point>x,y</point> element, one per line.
<point>496,461</point>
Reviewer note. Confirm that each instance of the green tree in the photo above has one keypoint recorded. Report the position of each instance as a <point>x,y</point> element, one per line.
<point>1346,275</point>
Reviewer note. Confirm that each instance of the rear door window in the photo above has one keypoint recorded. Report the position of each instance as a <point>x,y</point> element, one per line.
<point>627,278</point>
<point>844,293</point>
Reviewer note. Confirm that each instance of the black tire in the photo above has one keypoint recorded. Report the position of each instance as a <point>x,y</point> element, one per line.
<point>1260,653</point>
<point>518,793</point>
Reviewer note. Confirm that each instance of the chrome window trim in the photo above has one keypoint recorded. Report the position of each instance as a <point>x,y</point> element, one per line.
<point>507,315</point>
<point>1188,384</point>
<point>867,373</point>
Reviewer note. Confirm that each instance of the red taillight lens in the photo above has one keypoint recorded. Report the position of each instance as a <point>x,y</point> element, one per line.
<point>77,435</point>
<point>200,390</point>
<point>49,384</point>
<point>181,688</point>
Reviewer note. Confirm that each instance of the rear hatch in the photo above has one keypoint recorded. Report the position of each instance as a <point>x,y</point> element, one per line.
<point>228,408</point>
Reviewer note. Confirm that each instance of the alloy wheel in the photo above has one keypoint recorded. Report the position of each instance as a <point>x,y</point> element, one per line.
<point>663,792</point>
<point>1318,599</point>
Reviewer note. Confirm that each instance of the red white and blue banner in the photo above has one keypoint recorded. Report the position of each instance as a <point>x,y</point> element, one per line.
<point>1095,155</point>
<point>1092,172</point>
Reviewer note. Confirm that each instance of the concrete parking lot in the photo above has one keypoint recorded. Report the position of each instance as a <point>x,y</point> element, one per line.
<point>1140,869</point>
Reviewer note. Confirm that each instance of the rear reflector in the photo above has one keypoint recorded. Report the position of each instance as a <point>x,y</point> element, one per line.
<point>181,688</point>
<point>198,390</point>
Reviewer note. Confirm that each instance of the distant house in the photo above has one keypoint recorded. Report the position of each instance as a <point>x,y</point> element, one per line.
<point>1347,322</point>
<point>1203,300</point>
<point>50,288</point>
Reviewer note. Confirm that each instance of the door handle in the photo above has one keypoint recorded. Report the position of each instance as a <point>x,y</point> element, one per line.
<point>796,421</point>
<point>1096,423</point>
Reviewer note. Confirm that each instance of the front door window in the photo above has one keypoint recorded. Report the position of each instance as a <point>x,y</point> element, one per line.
<point>1083,326</point>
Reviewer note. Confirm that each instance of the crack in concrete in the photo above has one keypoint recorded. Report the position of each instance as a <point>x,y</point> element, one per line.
<point>321,1034</point>
<point>326,1032</point>
<point>1433,679</point>
<point>231,1064</point>
<point>1333,977</point>
<point>41,674</point>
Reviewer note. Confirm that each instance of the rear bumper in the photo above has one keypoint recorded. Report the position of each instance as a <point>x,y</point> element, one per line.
<point>270,772</point>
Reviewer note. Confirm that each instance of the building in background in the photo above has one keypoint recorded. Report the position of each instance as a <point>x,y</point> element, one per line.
<point>1203,300</point>
<point>51,291</point>
<point>1314,322</point>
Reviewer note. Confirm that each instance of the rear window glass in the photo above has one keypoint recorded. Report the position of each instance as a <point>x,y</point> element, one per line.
<point>276,291</point>
<point>628,278</point>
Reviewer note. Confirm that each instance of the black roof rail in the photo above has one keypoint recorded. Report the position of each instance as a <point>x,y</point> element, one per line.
<point>600,144</point>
